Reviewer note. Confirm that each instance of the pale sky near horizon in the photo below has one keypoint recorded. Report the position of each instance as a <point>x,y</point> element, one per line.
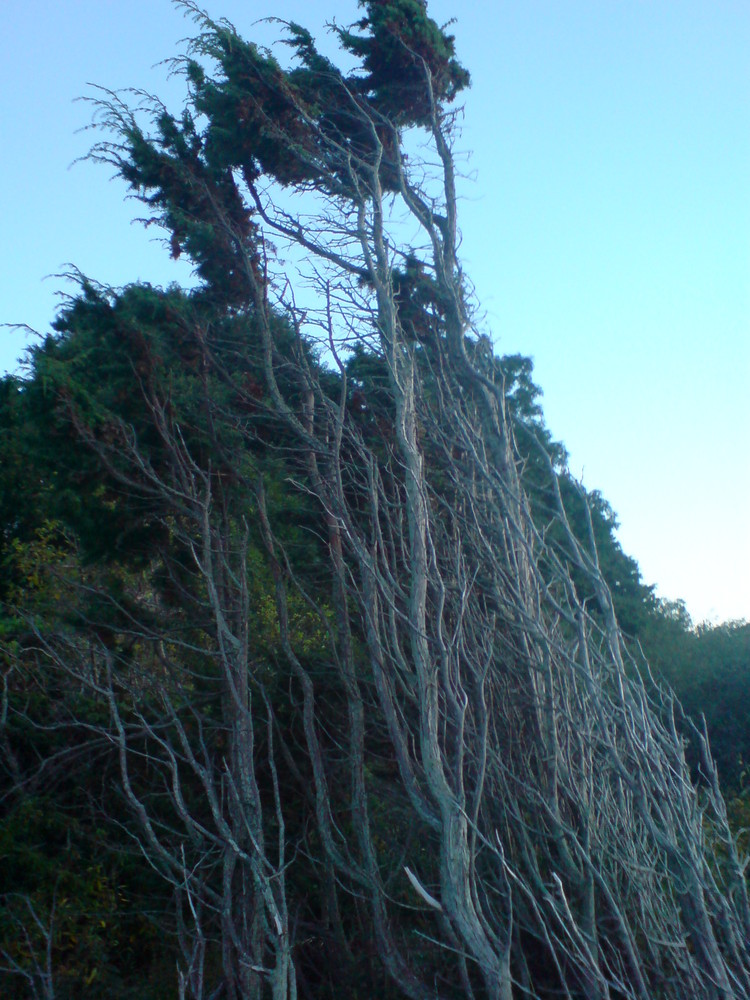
<point>605,220</point>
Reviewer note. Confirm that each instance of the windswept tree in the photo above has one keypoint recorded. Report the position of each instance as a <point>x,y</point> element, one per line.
<point>364,683</point>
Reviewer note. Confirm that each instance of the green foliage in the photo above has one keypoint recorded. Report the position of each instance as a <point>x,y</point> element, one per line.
<point>709,668</point>
<point>132,455</point>
<point>183,183</point>
<point>103,944</point>
<point>398,43</point>
<point>70,880</point>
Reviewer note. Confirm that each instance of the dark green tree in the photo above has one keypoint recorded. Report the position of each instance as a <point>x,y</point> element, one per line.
<point>343,614</point>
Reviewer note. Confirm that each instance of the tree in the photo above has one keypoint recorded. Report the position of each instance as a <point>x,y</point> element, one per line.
<point>407,725</point>
<point>709,668</point>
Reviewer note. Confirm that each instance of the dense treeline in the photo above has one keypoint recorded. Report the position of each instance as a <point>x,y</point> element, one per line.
<point>313,678</point>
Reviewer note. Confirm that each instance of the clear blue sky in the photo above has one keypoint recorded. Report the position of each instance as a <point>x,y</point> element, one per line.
<point>606,222</point>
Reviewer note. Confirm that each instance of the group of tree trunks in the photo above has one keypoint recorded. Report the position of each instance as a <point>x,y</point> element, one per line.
<point>313,644</point>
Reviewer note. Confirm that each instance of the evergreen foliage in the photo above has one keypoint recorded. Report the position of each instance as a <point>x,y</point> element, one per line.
<point>321,673</point>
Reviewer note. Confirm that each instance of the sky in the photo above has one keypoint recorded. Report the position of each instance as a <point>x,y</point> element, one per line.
<point>605,213</point>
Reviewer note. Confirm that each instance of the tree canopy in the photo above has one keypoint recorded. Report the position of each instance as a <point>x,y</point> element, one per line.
<point>321,672</point>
